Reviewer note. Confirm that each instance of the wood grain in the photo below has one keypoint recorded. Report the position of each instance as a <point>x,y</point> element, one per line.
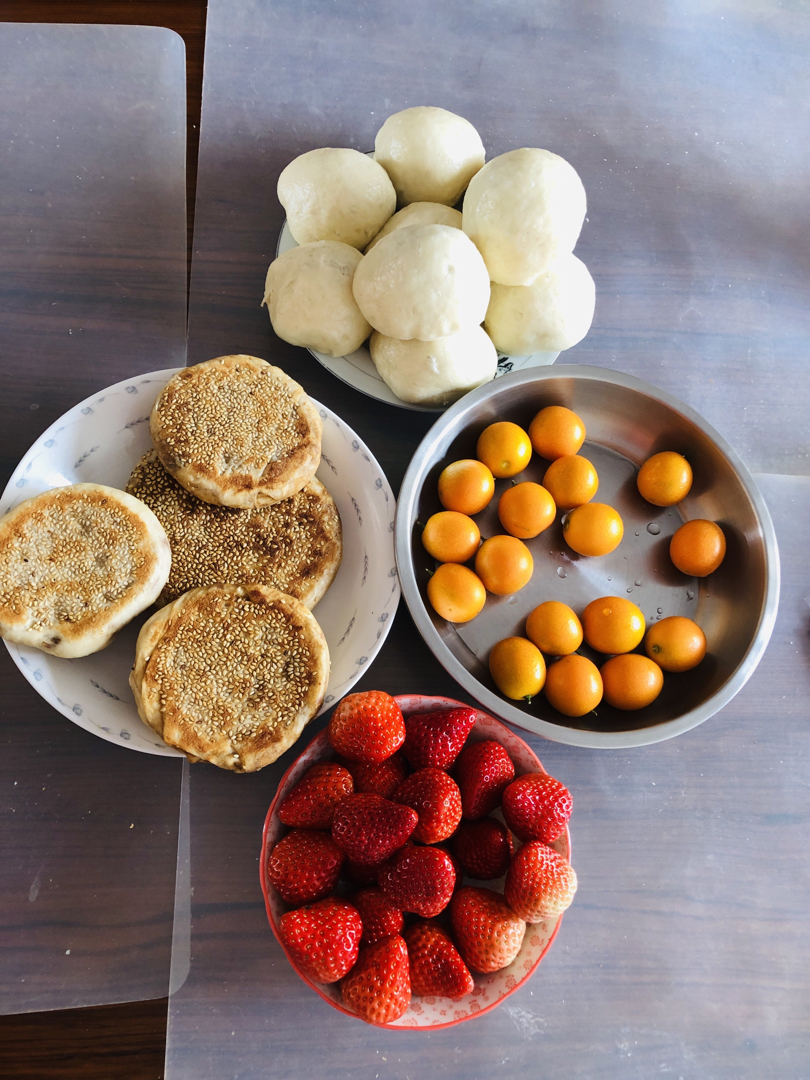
<point>112,1042</point>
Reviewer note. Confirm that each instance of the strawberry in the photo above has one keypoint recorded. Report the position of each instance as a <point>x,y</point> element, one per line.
<point>435,739</point>
<point>358,874</point>
<point>540,883</point>
<point>367,727</point>
<point>457,868</point>
<point>382,778</point>
<point>487,932</point>
<point>419,879</point>
<point>370,828</point>
<point>437,969</point>
<point>304,866</point>
<point>378,987</point>
<point>436,799</point>
<point>322,939</point>
<point>311,803</point>
<point>483,770</point>
<point>536,807</point>
<point>380,917</point>
<point>483,847</point>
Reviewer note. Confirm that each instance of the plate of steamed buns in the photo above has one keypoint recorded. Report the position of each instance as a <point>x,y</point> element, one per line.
<point>422,271</point>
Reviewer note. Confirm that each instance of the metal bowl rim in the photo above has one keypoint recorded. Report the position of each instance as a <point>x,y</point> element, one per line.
<point>412,485</point>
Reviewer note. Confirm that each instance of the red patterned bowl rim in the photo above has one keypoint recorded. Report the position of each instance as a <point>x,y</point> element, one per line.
<point>408,703</point>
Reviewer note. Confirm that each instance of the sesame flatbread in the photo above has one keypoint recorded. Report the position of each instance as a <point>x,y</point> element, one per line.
<point>76,564</point>
<point>237,431</point>
<point>294,545</point>
<point>231,674</point>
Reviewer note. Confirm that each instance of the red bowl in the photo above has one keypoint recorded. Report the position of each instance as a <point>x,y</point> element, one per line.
<point>490,990</point>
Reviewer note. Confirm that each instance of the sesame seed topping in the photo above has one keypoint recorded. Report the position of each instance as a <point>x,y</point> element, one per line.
<point>234,669</point>
<point>68,556</point>
<point>294,545</point>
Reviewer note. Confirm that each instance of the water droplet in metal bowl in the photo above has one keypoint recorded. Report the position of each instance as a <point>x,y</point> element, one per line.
<point>654,528</point>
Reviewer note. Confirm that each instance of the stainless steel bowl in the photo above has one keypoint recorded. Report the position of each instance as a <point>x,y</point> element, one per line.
<point>627,421</point>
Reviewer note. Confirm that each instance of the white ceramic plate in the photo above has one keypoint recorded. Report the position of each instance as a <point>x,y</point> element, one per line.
<point>100,440</point>
<point>358,370</point>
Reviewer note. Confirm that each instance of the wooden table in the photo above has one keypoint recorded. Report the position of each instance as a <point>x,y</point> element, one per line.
<point>684,953</point>
<point>696,246</point>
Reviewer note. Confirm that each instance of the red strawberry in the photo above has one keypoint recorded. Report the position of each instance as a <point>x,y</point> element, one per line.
<point>367,727</point>
<point>382,778</point>
<point>304,866</point>
<point>370,828</point>
<point>311,803</point>
<point>437,969</point>
<point>380,917</point>
<point>322,939</point>
<point>436,799</point>
<point>483,770</point>
<point>435,739</point>
<point>419,879</point>
<point>358,874</point>
<point>457,867</point>
<point>378,987</point>
<point>540,883</point>
<point>484,848</point>
<point>487,932</point>
<point>536,807</point>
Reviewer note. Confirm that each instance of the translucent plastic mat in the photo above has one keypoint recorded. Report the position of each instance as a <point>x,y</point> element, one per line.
<point>92,290</point>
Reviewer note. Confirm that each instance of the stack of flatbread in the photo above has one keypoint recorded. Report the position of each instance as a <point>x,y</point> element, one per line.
<point>223,524</point>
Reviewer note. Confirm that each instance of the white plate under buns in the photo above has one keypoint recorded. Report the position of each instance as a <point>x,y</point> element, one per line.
<point>358,370</point>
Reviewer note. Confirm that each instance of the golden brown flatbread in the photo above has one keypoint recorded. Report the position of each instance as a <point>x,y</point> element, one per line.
<point>231,674</point>
<point>76,564</point>
<point>294,545</point>
<point>237,431</point>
